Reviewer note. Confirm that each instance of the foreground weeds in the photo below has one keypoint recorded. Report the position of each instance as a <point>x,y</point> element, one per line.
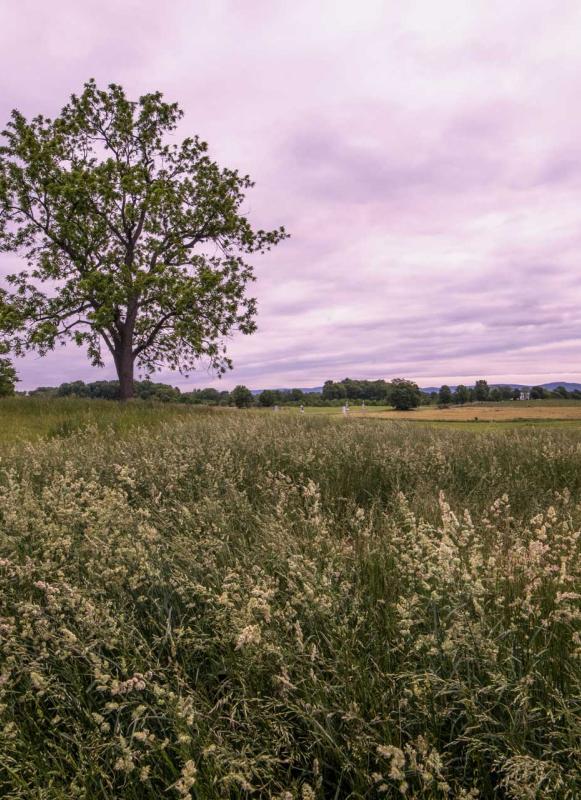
<point>241,606</point>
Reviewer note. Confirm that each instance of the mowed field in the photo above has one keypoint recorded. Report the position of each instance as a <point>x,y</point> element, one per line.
<point>506,414</point>
<point>516,411</point>
<point>547,412</point>
<point>212,604</point>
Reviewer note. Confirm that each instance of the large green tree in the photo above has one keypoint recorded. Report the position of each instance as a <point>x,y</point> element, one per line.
<point>481,390</point>
<point>462,394</point>
<point>242,397</point>
<point>445,395</point>
<point>132,241</point>
<point>267,398</point>
<point>404,395</point>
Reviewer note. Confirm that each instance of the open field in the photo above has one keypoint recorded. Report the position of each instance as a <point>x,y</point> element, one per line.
<point>334,410</point>
<point>545,412</point>
<point>239,605</point>
<point>28,419</point>
<point>517,411</point>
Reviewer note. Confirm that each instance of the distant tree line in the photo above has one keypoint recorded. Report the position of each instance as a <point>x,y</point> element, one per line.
<point>481,392</point>
<point>144,390</point>
<point>348,389</point>
<point>559,393</point>
<point>400,393</point>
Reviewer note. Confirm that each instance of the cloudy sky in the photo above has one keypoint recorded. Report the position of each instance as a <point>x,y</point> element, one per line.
<point>425,156</point>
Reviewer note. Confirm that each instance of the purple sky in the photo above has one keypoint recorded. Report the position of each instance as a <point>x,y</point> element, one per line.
<point>425,156</point>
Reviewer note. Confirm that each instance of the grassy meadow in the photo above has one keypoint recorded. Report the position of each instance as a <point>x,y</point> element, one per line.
<point>28,419</point>
<point>473,416</point>
<point>226,604</point>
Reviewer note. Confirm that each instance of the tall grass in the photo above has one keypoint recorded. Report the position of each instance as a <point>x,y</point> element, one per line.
<point>247,605</point>
<point>26,418</point>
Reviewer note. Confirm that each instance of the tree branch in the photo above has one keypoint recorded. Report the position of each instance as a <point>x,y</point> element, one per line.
<point>153,333</point>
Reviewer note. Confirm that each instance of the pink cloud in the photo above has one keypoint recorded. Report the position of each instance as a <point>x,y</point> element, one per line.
<point>425,158</point>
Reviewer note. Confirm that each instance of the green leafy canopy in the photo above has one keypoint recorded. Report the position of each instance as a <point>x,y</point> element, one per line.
<point>130,240</point>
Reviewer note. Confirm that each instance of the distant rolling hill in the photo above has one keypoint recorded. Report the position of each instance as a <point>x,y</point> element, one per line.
<point>570,387</point>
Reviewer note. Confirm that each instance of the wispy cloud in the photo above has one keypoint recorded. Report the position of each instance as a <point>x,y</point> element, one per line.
<point>425,157</point>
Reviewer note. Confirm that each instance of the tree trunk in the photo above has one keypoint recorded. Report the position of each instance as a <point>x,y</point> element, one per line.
<point>124,366</point>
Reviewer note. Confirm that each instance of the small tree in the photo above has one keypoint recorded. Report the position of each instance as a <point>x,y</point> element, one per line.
<point>404,394</point>
<point>8,378</point>
<point>242,397</point>
<point>132,242</point>
<point>481,390</point>
<point>267,398</point>
<point>445,395</point>
<point>462,394</point>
